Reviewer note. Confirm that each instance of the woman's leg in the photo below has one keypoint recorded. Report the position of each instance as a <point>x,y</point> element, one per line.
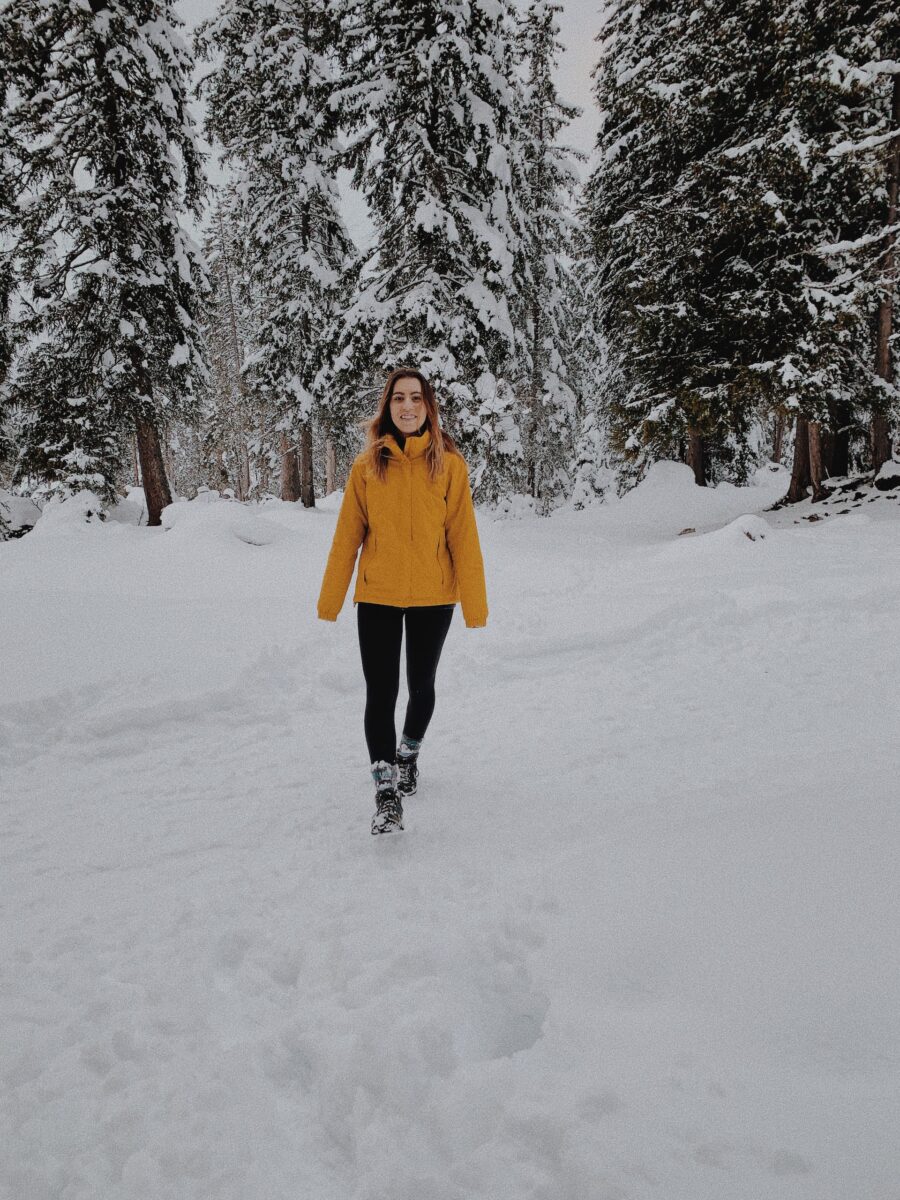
<point>380,629</point>
<point>426,629</point>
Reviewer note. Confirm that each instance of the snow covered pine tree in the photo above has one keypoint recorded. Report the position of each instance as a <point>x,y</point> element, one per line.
<point>270,96</point>
<point>111,283</point>
<point>716,213</point>
<point>234,425</point>
<point>430,97</point>
<point>546,196</point>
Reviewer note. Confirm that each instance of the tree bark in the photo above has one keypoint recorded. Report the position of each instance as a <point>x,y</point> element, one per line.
<point>880,433</point>
<point>816,467</point>
<point>778,441</point>
<point>827,438</point>
<point>696,457</point>
<point>290,469</point>
<point>840,452</point>
<point>153,471</point>
<point>262,461</point>
<point>307,480</point>
<point>329,466</point>
<point>800,476</point>
<point>244,471</point>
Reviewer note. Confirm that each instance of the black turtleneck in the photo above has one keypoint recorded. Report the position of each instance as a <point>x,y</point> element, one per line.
<point>400,438</point>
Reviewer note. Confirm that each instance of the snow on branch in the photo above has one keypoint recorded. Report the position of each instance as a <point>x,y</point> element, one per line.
<point>869,143</point>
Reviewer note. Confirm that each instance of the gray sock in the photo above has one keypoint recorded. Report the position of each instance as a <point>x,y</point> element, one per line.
<point>384,774</point>
<point>409,747</point>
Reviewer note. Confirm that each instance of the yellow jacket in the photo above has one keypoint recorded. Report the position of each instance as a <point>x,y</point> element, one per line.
<point>418,535</point>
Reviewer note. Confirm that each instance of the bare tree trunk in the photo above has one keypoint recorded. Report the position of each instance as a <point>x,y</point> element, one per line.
<point>778,440</point>
<point>244,471</point>
<point>816,468</point>
<point>827,438</point>
<point>307,479</point>
<point>800,476</point>
<point>841,417</point>
<point>879,441</point>
<point>696,458</point>
<point>329,466</point>
<point>262,461</point>
<point>222,481</point>
<point>135,460</point>
<point>290,469</point>
<point>153,471</point>
<point>168,452</point>
<point>881,434</point>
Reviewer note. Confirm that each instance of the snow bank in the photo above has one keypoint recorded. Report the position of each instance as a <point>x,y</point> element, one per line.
<point>226,521</point>
<point>18,512</point>
<point>70,515</point>
<point>888,476</point>
<point>668,500</point>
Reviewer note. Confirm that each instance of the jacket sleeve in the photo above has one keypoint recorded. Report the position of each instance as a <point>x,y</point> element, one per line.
<point>465,549</point>
<point>351,528</point>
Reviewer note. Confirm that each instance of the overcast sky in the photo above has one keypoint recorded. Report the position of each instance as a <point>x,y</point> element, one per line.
<point>579,22</point>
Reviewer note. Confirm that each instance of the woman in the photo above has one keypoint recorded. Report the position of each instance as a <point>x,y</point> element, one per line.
<point>408,503</point>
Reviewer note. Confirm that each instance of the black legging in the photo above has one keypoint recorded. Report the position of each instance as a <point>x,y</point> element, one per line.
<point>380,629</point>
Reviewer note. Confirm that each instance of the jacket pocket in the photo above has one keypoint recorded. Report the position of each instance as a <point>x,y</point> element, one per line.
<point>370,553</point>
<point>437,554</point>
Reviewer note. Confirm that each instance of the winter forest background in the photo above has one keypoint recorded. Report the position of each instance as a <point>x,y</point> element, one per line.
<point>714,282</point>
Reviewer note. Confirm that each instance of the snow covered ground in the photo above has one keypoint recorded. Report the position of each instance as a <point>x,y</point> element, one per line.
<point>639,939</point>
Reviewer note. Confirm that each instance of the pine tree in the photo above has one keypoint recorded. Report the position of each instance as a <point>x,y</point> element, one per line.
<point>593,474</point>
<point>721,294</point>
<point>111,282</point>
<point>430,95</point>
<point>651,304</point>
<point>855,69</point>
<point>236,439</point>
<point>546,198</point>
<point>828,199</point>
<point>270,99</point>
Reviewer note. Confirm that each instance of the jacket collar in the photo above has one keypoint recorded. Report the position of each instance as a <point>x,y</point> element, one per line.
<point>415,446</point>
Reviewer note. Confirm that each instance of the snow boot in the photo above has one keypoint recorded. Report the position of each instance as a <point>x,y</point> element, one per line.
<point>388,806</point>
<point>407,769</point>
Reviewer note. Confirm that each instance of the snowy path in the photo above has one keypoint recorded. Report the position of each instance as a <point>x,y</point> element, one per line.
<point>638,939</point>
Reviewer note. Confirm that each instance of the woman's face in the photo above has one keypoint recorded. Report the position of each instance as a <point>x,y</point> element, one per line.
<point>407,405</point>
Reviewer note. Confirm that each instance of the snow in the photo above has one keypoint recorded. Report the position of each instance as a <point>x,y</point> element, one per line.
<point>636,940</point>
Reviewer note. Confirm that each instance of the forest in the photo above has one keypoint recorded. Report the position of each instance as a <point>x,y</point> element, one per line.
<point>717,284</point>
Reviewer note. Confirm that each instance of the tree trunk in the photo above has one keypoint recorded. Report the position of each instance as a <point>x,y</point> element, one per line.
<point>880,441</point>
<point>262,461</point>
<point>778,441</point>
<point>816,467</point>
<point>153,471</point>
<point>290,469</point>
<point>840,453</point>
<point>168,452</point>
<point>800,477</point>
<point>827,438</point>
<point>222,481</point>
<point>329,466</point>
<point>696,458</point>
<point>244,474</point>
<point>881,434</point>
<point>307,481</point>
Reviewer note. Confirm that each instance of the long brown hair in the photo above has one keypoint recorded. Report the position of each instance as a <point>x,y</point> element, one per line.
<point>379,427</point>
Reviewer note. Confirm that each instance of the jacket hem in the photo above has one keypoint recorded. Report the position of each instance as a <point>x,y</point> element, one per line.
<point>392,601</point>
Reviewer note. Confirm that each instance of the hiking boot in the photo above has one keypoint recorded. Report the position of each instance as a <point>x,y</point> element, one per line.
<point>407,768</point>
<point>388,805</point>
